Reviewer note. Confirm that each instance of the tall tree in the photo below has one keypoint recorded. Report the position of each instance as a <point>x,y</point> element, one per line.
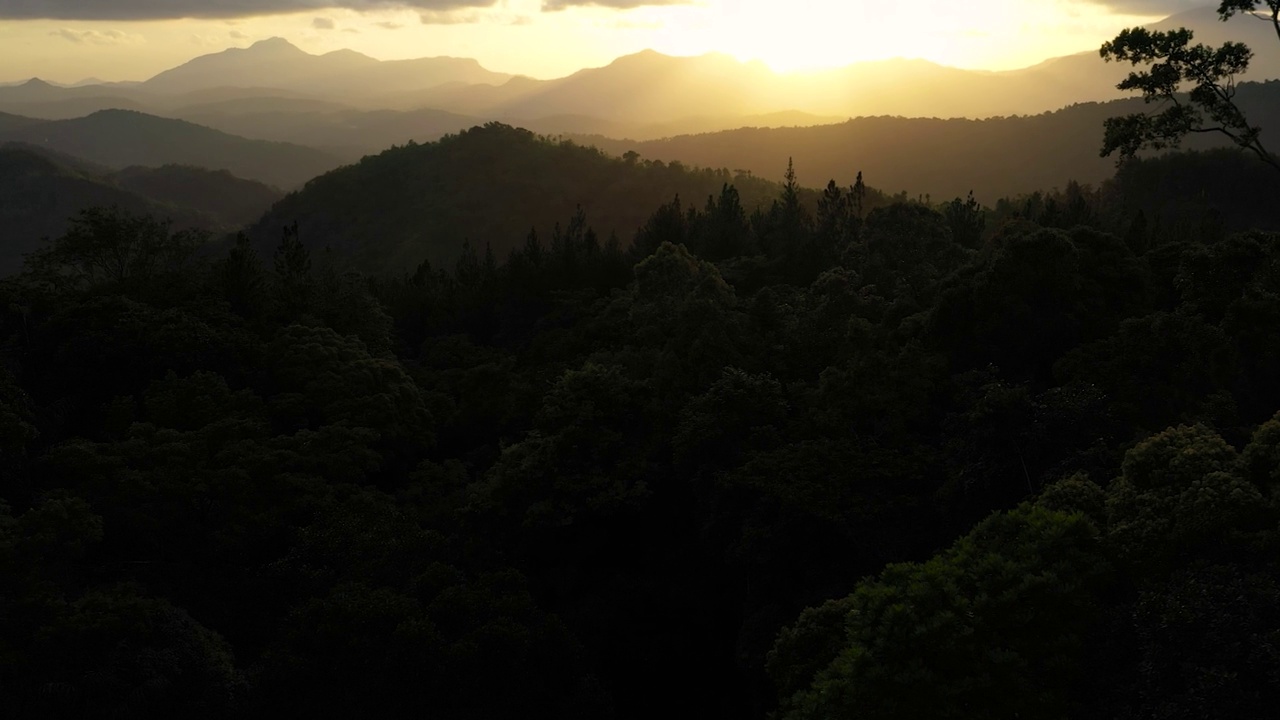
<point>1174,63</point>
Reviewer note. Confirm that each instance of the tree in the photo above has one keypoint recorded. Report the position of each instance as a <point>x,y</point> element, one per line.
<point>967,220</point>
<point>293,280</point>
<point>1209,107</point>
<point>111,246</point>
<point>990,628</point>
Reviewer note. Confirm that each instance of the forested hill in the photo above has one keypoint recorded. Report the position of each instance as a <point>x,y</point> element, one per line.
<point>488,186</point>
<point>40,190</point>
<point>994,158</point>
<point>809,465</point>
<point>121,138</point>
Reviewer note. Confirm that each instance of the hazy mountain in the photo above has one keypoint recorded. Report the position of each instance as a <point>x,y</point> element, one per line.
<point>120,138</point>
<point>944,158</point>
<point>488,185</point>
<point>649,88</point>
<point>341,74</point>
<point>643,96</point>
<point>41,190</point>
<point>258,104</point>
<point>347,133</point>
<point>74,107</point>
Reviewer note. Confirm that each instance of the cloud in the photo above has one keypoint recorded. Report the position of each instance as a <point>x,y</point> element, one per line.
<point>222,9</point>
<point>323,23</point>
<point>450,17</point>
<point>556,5</point>
<point>389,25</point>
<point>226,9</point>
<point>96,37</point>
<point>237,35</point>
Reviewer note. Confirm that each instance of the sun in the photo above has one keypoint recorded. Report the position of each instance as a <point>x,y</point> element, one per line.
<point>813,34</point>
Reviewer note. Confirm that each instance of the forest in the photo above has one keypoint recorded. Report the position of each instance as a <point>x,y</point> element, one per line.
<point>838,454</point>
<point>502,425</point>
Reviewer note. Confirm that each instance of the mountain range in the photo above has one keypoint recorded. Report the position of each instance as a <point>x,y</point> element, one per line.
<point>642,96</point>
<point>119,143</point>
<point>943,158</point>
<point>121,138</point>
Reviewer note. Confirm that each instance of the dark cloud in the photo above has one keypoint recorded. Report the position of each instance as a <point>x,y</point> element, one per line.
<point>323,23</point>
<point>169,9</point>
<point>446,17</point>
<point>554,5</point>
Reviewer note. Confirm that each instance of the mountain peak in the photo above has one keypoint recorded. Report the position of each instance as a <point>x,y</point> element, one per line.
<point>36,82</point>
<point>275,44</point>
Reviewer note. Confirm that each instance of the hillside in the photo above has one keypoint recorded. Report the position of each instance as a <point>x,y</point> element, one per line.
<point>488,185</point>
<point>40,191</point>
<point>10,122</point>
<point>120,138</point>
<point>994,158</point>
<point>230,201</point>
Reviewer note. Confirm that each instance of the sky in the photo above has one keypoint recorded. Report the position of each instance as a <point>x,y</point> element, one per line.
<point>70,40</point>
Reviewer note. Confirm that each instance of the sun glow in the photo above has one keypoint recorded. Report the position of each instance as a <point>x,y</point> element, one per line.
<point>518,36</point>
<point>814,34</point>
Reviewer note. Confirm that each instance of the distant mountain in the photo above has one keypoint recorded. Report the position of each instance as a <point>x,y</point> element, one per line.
<point>276,91</point>
<point>488,186</point>
<point>346,133</point>
<point>119,139</point>
<point>341,74</point>
<point>68,108</point>
<point>651,88</point>
<point>352,134</point>
<point>41,190</point>
<point>995,158</point>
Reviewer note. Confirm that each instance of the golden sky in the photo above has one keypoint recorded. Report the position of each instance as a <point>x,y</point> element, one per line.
<point>533,37</point>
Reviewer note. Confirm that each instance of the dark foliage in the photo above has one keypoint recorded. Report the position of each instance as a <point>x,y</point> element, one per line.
<point>816,455</point>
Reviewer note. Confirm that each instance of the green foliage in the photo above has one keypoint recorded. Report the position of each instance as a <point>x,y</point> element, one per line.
<point>1177,457</point>
<point>585,459</point>
<point>323,378</point>
<point>990,628</point>
<point>1261,457</point>
<point>605,477</point>
<point>1076,494</point>
<point>1180,489</point>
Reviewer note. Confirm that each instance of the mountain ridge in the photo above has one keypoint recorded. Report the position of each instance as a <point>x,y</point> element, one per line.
<point>121,138</point>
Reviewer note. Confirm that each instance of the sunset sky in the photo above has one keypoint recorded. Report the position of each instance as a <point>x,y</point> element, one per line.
<point>68,40</point>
